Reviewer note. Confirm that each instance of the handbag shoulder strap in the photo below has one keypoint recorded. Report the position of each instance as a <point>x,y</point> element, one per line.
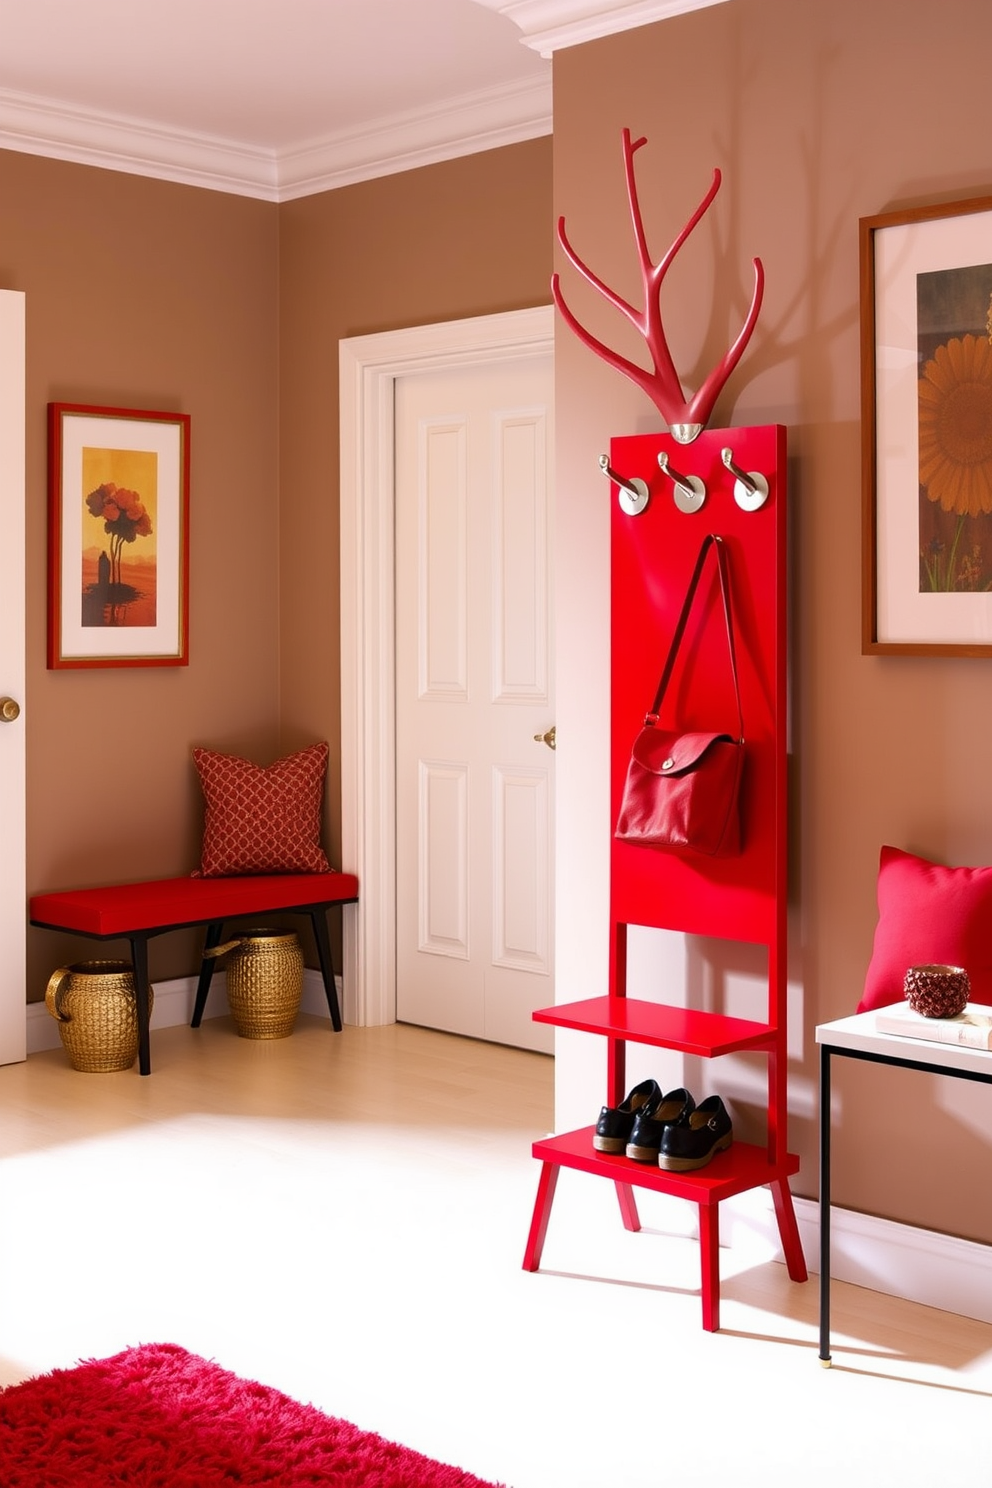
<point>711,540</point>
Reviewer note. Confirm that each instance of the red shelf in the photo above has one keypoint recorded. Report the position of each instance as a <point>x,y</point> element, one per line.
<point>639,1022</point>
<point>740,1168</point>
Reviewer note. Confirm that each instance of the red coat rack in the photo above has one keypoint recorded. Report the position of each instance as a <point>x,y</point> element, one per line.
<point>666,496</point>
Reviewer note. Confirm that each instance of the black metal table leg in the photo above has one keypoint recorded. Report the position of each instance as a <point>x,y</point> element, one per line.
<point>318,918</point>
<point>825,1205</point>
<point>139,960</point>
<point>926,1064</point>
<point>213,937</point>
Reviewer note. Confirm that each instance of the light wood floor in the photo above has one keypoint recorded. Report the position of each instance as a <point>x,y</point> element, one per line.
<point>344,1217</point>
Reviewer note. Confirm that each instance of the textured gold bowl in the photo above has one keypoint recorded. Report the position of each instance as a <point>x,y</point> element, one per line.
<point>937,991</point>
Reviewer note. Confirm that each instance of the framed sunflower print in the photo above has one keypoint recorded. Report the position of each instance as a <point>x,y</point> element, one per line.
<point>118,537</point>
<point>926,387</point>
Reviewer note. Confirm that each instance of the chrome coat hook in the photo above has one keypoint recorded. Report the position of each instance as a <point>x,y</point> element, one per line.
<point>690,493</point>
<point>633,493</point>
<point>750,487</point>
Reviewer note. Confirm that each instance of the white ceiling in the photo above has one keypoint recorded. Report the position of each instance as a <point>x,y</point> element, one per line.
<point>281,98</point>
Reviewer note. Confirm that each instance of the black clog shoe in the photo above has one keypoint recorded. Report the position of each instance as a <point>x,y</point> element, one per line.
<point>615,1122</point>
<point>696,1137</point>
<point>650,1125</point>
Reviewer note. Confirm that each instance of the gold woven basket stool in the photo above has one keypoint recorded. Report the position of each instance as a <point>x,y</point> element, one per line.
<point>264,982</point>
<point>96,1009</point>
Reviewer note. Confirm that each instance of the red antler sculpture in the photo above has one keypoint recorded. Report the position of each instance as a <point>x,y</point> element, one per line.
<point>685,417</point>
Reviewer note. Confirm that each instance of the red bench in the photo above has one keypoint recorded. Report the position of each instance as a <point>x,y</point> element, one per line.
<point>137,911</point>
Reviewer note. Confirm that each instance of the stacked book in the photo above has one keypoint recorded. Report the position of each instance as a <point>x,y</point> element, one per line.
<point>972,1028</point>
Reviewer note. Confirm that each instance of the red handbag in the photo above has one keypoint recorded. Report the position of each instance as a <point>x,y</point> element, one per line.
<point>682,790</point>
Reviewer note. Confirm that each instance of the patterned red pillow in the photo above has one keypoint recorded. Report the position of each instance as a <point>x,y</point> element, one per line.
<point>262,820</point>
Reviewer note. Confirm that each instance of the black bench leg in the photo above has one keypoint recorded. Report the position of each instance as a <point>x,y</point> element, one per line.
<point>214,935</point>
<point>139,960</point>
<point>318,918</point>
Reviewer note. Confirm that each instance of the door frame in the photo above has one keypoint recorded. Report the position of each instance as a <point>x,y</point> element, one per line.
<point>369,367</point>
<point>13,1008</point>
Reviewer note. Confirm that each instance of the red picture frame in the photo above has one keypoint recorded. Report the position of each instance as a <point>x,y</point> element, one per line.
<point>118,537</point>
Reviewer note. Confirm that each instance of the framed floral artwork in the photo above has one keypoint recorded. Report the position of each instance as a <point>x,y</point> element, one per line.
<point>118,537</point>
<point>926,364</point>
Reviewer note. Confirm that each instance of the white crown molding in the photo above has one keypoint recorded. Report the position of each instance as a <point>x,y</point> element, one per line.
<point>34,126</point>
<point>460,126</point>
<point>549,25</point>
<point>456,127</point>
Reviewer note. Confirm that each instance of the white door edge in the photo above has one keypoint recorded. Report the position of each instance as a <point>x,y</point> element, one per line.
<point>13,1003</point>
<point>369,366</point>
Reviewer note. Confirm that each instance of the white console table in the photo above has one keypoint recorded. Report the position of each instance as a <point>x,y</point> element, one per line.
<point>857,1038</point>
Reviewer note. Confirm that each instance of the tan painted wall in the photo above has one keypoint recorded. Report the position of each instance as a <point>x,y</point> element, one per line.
<point>818,112</point>
<point>144,294</point>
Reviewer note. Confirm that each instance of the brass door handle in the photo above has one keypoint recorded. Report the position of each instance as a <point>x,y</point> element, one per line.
<point>9,710</point>
<point>548,738</point>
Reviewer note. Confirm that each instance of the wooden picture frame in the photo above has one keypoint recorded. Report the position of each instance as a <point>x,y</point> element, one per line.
<point>926,386</point>
<point>118,537</point>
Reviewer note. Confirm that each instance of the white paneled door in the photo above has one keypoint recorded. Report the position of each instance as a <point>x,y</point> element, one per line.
<point>474,698</point>
<point>13,1013</point>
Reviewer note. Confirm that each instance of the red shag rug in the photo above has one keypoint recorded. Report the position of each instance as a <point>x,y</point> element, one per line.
<point>158,1417</point>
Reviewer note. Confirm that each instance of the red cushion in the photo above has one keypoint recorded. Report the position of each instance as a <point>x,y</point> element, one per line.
<point>122,908</point>
<point>262,820</point>
<point>929,913</point>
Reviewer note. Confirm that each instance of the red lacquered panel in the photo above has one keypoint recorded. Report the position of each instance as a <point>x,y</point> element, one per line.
<point>741,897</point>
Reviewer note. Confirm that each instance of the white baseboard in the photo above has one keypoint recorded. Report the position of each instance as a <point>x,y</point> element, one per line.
<point>923,1266</point>
<point>173,1005</point>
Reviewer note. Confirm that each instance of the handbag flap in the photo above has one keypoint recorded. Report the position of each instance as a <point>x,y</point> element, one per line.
<point>666,752</point>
